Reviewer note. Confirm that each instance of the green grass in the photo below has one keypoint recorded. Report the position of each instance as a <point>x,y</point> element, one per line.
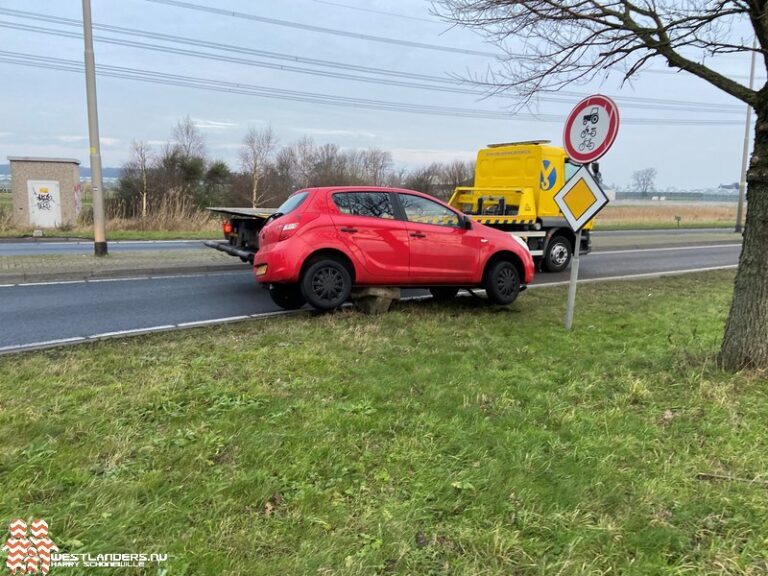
<point>436,439</point>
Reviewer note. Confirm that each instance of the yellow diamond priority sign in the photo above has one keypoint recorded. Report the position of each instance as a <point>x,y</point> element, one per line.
<point>580,199</point>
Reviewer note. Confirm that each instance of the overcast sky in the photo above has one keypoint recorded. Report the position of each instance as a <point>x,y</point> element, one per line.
<point>44,111</point>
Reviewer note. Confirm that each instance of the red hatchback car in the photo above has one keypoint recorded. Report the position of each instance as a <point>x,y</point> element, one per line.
<point>323,241</point>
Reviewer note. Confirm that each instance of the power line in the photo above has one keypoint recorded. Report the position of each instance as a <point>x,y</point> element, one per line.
<point>369,37</point>
<point>374,11</point>
<point>322,30</point>
<point>225,47</point>
<point>384,81</point>
<point>455,84</point>
<point>153,77</point>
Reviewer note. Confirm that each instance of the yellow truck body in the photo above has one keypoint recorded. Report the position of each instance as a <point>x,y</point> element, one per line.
<point>515,183</point>
<point>514,189</point>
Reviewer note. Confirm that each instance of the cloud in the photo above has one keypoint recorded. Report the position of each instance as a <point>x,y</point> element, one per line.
<point>227,147</point>
<point>335,132</point>
<point>105,140</point>
<point>421,156</point>
<point>5,134</point>
<point>204,124</point>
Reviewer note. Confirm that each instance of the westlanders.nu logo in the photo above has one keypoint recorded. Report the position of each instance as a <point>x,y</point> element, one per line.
<point>35,553</point>
<point>29,554</point>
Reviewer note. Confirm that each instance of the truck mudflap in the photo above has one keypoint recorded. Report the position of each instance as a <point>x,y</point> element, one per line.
<point>224,246</point>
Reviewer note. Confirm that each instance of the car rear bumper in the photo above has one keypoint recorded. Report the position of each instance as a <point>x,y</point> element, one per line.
<point>278,263</point>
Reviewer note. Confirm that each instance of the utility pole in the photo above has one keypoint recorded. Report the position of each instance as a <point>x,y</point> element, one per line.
<point>745,150</point>
<point>99,231</point>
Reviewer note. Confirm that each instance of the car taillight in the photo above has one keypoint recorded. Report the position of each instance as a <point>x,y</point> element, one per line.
<point>290,228</point>
<point>287,230</point>
<point>228,228</point>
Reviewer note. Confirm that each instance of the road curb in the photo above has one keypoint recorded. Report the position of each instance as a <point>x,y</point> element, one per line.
<point>26,278</point>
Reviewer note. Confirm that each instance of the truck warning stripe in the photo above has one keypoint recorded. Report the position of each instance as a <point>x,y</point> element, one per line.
<point>507,220</point>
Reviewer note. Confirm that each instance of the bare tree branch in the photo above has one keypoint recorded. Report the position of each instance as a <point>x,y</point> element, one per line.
<point>257,149</point>
<point>550,44</point>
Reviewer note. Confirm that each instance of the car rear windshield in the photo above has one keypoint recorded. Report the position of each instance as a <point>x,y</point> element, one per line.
<point>292,203</point>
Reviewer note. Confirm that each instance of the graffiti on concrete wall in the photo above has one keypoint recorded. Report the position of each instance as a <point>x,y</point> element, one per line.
<point>43,198</point>
<point>44,203</point>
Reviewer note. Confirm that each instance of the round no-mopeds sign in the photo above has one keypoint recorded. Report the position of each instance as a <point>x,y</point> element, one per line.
<point>591,129</point>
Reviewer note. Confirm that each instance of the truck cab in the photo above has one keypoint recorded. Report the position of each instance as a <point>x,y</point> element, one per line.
<point>514,190</point>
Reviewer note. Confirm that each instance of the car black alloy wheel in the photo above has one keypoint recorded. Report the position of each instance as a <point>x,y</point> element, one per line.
<point>326,284</point>
<point>502,283</point>
<point>506,282</point>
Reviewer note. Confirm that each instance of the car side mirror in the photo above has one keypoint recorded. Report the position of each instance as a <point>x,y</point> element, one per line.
<point>466,223</point>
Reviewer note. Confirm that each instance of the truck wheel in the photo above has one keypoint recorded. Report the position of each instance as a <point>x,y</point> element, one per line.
<point>444,293</point>
<point>326,284</point>
<point>558,254</point>
<point>502,283</point>
<point>287,296</point>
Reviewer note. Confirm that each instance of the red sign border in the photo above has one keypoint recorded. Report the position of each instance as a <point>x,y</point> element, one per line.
<point>613,128</point>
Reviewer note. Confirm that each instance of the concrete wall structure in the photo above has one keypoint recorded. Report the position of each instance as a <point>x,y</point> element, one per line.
<point>46,191</point>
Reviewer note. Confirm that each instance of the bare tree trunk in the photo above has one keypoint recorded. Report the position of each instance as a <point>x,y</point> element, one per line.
<point>144,191</point>
<point>745,344</point>
<point>255,191</point>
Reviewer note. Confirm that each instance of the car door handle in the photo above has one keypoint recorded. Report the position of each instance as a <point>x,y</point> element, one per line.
<point>418,235</point>
<point>348,229</point>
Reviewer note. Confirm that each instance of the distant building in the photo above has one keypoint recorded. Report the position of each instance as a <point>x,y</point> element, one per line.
<point>46,191</point>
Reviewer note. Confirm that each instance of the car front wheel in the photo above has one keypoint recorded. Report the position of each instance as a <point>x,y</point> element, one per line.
<point>502,283</point>
<point>326,284</point>
<point>287,296</point>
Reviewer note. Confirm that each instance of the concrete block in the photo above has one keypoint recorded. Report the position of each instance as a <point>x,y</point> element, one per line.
<point>375,299</point>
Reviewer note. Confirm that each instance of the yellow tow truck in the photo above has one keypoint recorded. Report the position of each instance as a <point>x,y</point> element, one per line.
<point>514,190</point>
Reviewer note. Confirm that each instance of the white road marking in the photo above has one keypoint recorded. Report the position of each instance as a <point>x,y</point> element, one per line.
<point>212,321</point>
<point>124,279</point>
<point>133,331</point>
<point>668,249</point>
<point>90,242</point>
<point>57,283</point>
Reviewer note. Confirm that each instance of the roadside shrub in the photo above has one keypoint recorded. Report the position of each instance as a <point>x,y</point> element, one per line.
<point>6,218</point>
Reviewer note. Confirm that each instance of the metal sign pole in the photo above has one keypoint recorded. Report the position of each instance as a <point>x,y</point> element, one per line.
<point>572,285</point>
<point>590,130</point>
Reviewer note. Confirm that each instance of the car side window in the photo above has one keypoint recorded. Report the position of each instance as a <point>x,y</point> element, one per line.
<point>371,204</point>
<point>424,211</point>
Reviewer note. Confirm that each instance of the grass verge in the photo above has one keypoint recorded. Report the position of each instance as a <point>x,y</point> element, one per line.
<point>437,439</point>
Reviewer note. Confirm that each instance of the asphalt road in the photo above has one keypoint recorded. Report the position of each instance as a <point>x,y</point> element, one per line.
<point>29,247</point>
<point>44,314</point>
